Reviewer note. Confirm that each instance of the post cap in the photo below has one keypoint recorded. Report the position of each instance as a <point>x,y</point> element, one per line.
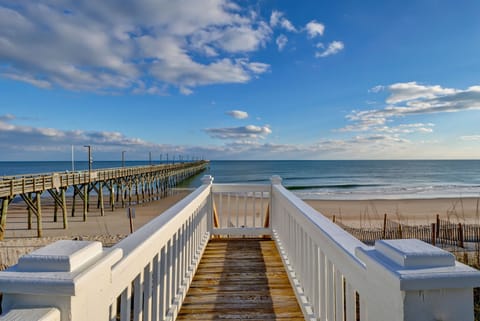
<point>276,180</point>
<point>411,265</point>
<point>61,256</point>
<point>411,253</point>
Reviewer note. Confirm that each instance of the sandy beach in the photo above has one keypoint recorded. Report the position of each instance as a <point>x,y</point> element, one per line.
<point>108,229</point>
<point>114,226</point>
<point>368,213</point>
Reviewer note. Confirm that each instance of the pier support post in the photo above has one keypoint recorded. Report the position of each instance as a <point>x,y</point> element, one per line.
<point>59,201</point>
<point>35,206</point>
<point>39,214</point>
<point>100,199</point>
<point>85,201</point>
<point>112,195</point>
<point>64,208</point>
<point>73,200</point>
<point>3,216</point>
<point>29,212</point>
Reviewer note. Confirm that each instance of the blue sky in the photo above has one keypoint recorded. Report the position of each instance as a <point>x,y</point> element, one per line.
<point>223,79</point>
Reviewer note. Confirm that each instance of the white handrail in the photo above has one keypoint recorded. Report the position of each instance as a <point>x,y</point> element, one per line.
<point>331,271</point>
<point>144,277</point>
<point>160,260</point>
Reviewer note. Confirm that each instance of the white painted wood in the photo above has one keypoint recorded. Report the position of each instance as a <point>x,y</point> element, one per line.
<point>38,314</point>
<point>137,298</point>
<point>163,284</point>
<point>125,303</point>
<point>113,310</point>
<point>323,288</point>
<point>391,278</point>
<point>155,283</point>
<point>330,298</point>
<point>69,256</point>
<point>339,295</point>
<point>350,303</point>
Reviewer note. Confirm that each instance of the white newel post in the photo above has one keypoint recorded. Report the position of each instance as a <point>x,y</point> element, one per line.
<point>72,276</point>
<point>275,180</point>
<point>208,180</point>
<point>415,281</point>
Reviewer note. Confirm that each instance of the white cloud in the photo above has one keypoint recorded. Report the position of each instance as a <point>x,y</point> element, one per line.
<point>116,47</point>
<point>315,29</point>
<point>471,138</point>
<point>238,114</point>
<point>332,49</point>
<point>26,78</point>
<point>281,42</point>
<point>287,25</point>
<point>401,92</point>
<point>30,138</point>
<point>376,89</point>
<point>231,39</point>
<point>249,131</point>
<point>239,143</point>
<point>277,19</point>
<point>407,128</point>
<point>7,117</point>
<point>408,99</point>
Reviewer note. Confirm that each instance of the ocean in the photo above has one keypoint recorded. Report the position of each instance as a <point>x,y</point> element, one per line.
<point>336,179</point>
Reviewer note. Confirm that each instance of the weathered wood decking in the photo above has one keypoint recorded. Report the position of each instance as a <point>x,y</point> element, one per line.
<point>240,279</point>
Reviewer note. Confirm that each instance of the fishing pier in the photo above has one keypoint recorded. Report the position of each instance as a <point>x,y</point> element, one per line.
<point>120,186</point>
<point>239,252</point>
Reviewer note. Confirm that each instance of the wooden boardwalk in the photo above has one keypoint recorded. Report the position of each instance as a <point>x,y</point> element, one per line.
<point>240,279</point>
<point>137,184</point>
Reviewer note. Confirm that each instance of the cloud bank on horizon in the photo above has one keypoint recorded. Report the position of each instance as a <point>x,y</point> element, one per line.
<point>374,135</point>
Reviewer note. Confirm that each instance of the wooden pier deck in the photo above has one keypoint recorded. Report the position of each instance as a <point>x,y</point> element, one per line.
<point>125,185</point>
<point>240,279</point>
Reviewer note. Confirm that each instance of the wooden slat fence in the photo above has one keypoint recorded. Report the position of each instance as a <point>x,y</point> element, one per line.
<point>443,233</point>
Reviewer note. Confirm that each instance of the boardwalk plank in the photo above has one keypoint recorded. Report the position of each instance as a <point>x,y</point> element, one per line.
<point>240,279</point>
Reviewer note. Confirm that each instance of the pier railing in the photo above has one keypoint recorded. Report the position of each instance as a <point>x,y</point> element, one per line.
<point>20,184</point>
<point>146,276</point>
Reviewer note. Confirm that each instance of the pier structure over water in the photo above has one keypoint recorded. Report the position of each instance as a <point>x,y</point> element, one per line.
<point>122,186</point>
<point>239,252</point>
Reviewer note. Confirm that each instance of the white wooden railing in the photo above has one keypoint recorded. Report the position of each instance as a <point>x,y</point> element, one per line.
<point>241,210</point>
<point>146,276</point>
